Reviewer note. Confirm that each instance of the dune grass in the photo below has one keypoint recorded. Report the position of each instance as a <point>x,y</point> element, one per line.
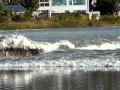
<point>62,21</point>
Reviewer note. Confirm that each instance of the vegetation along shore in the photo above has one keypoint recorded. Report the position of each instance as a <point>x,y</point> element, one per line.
<point>62,21</point>
<point>12,20</point>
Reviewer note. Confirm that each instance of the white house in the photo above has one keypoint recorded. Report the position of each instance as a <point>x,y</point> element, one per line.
<point>62,6</point>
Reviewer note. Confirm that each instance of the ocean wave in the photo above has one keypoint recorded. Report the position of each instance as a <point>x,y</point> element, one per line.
<point>103,46</point>
<point>21,42</point>
<point>118,37</point>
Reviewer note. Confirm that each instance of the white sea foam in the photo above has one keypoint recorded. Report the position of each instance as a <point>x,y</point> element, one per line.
<point>33,64</point>
<point>19,41</point>
<point>118,37</point>
<point>104,46</point>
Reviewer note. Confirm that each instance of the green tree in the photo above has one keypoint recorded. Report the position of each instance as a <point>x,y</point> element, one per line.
<point>5,15</point>
<point>16,1</point>
<point>27,16</point>
<point>0,8</point>
<point>106,6</point>
<point>31,5</point>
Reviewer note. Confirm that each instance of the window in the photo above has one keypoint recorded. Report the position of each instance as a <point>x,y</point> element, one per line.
<point>44,0</point>
<point>78,2</point>
<point>70,2</point>
<point>41,0</point>
<point>59,2</point>
<point>44,3</point>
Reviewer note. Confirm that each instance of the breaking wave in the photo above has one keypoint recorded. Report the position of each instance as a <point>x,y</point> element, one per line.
<point>21,42</point>
<point>104,46</point>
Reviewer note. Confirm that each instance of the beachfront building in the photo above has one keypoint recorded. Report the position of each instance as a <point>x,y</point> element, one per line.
<point>48,7</point>
<point>62,6</point>
<point>117,10</point>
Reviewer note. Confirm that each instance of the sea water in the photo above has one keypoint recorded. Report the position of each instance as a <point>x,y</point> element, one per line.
<point>64,59</point>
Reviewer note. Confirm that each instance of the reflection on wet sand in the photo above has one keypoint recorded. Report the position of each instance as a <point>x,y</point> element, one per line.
<point>67,79</point>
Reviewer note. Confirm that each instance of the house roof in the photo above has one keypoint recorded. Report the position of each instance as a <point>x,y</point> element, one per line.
<point>14,8</point>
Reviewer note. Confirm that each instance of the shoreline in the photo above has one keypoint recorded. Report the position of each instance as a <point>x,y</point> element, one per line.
<point>58,28</point>
<point>65,22</point>
<point>47,28</point>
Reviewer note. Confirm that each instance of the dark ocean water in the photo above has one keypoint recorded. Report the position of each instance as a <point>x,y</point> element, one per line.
<point>67,59</point>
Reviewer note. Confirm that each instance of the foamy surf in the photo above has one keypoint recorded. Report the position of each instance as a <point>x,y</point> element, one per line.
<point>62,49</point>
<point>16,45</point>
<point>21,43</point>
<point>37,64</point>
<point>103,46</point>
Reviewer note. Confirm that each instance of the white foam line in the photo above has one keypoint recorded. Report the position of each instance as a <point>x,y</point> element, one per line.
<point>63,69</point>
<point>19,41</point>
<point>104,46</point>
<point>61,63</point>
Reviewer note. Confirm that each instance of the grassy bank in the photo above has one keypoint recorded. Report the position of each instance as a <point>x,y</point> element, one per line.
<point>62,21</point>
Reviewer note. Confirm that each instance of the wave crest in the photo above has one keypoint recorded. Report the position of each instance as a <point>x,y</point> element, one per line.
<point>11,42</point>
<point>21,42</point>
<point>104,46</point>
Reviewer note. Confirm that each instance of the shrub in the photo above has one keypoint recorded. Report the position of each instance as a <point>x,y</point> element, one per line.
<point>110,19</point>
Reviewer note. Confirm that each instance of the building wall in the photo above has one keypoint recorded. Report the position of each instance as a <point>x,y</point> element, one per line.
<point>54,6</point>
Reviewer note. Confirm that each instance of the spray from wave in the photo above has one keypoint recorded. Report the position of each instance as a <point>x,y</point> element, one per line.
<point>19,42</point>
